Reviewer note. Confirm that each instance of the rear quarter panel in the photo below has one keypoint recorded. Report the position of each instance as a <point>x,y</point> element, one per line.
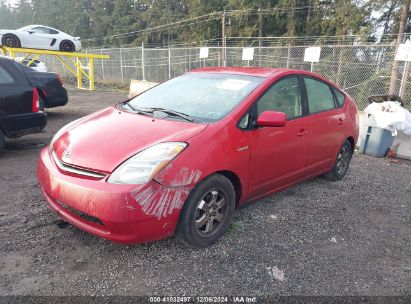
<point>50,88</point>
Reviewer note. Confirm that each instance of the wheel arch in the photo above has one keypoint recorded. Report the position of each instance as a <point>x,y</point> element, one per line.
<point>350,139</point>
<point>235,181</point>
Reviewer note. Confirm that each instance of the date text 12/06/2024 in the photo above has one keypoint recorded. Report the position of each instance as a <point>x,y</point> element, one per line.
<point>203,299</point>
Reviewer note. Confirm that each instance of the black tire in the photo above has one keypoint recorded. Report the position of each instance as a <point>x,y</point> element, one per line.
<point>11,40</point>
<point>67,46</point>
<point>2,141</point>
<point>342,162</point>
<point>212,202</point>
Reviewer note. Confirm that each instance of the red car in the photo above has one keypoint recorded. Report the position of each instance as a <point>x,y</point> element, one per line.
<point>181,156</point>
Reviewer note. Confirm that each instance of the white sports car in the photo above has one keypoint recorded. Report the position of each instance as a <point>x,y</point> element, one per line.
<point>40,37</point>
<point>37,65</point>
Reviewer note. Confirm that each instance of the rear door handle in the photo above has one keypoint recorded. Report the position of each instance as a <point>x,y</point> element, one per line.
<point>340,121</point>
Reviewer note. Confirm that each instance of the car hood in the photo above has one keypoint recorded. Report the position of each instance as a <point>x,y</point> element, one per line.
<point>103,140</point>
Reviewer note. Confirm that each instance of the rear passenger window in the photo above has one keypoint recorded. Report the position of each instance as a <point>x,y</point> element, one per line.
<point>283,96</point>
<point>340,97</point>
<point>5,77</point>
<point>320,97</point>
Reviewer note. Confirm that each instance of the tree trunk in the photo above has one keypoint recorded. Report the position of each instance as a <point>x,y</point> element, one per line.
<point>394,69</point>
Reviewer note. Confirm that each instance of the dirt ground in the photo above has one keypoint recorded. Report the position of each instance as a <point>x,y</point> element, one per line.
<point>317,238</point>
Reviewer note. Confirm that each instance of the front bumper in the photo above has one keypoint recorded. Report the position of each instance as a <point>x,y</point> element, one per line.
<point>126,214</point>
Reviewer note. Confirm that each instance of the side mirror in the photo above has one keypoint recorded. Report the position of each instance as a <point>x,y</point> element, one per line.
<point>272,119</point>
<point>30,32</point>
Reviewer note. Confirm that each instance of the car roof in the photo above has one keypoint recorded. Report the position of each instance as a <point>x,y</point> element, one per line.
<point>261,72</point>
<point>39,25</point>
<point>250,71</point>
<point>253,71</point>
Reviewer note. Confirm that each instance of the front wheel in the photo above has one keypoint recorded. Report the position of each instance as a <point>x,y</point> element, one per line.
<point>11,41</point>
<point>207,213</point>
<point>341,164</point>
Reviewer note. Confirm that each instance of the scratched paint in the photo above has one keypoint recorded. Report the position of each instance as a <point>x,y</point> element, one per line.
<point>159,201</point>
<point>184,177</point>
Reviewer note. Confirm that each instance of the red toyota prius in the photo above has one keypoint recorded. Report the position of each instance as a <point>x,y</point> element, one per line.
<point>179,158</point>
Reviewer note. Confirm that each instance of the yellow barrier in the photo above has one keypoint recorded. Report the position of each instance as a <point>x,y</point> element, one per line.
<point>71,61</point>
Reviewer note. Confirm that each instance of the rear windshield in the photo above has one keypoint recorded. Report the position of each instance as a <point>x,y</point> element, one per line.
<point>206,97</point>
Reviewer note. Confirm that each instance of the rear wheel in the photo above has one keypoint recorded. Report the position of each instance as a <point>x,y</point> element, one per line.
<point>341,164</point>
<point>207,212</point>
<point>11,41</point>
<point>2,141</point>
<point>67,46</point>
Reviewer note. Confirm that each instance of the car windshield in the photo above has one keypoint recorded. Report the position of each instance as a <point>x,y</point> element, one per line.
<point>25,28</point>
<point>205,97</point>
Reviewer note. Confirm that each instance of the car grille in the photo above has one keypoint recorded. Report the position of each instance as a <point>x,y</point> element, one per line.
<point>75,170</point>
<point>83,215</point>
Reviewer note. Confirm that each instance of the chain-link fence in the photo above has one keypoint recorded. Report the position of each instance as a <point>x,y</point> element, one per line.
<point>362,70</point>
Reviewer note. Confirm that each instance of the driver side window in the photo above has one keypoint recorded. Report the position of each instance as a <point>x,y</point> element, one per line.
<point>41,30</point>
<point>283,96</point>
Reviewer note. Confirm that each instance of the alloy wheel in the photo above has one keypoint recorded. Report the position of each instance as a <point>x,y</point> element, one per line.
<point>11,42</point>
<point>67,47</point>
<point>210,212</point>
<point>343,160</point>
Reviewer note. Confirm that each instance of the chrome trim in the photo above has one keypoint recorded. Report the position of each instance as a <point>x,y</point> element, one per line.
<point>73,169</point>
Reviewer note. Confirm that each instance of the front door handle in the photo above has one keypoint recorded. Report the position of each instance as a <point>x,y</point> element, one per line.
<point>302,133</point>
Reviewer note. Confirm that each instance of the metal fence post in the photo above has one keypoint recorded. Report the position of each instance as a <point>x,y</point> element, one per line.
<point>169,63</point>
<point>102,66</point>
<point>142,60</point>
<point>121,65</point>
<point>403,79</point>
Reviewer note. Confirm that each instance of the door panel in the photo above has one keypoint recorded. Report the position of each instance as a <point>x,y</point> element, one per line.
<point>326,124</point>
<point>326,137</point>
<point>279,154</point>
<point>40,38</point>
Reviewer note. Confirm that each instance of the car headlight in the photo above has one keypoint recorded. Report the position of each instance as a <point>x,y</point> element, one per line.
<point>60,132</point>
<point>144,166</point>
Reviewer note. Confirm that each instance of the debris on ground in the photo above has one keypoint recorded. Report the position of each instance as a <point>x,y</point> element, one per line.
<point>276,273</point>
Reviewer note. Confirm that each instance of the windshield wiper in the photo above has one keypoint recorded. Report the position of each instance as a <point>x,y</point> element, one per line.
<point>175,113</point>
<point>147,111</point>
<point>137,110</point>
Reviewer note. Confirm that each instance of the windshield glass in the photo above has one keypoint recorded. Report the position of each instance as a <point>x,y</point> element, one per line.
<point>206,97</point>
<point>25,28</point>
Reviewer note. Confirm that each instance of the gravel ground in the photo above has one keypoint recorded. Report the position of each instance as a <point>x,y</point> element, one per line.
<point>317,238</point>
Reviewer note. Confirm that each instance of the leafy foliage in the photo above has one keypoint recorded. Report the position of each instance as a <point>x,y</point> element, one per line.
<point>103,18</point>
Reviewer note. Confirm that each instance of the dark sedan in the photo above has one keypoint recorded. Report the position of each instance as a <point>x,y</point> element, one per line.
<point>20,112</point>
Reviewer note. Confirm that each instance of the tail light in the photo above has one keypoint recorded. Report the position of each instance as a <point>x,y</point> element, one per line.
<point>35,104</point>
<point>60,80</point>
